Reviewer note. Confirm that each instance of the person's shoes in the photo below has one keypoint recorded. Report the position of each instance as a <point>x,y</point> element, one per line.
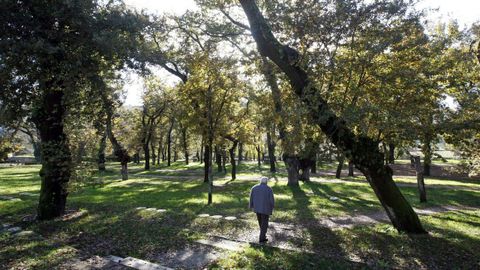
<point>263,240</point>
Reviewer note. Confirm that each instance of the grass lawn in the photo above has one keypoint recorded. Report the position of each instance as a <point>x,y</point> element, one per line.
<point>104,221</point>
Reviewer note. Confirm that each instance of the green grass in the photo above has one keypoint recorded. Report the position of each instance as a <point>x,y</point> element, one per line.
<point>111,225</point>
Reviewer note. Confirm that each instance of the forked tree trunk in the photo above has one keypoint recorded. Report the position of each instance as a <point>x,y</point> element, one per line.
<point>56,157</point>
<point>363,151</point>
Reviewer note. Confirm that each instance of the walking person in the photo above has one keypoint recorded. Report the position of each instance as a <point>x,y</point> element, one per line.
<point>262,203</point>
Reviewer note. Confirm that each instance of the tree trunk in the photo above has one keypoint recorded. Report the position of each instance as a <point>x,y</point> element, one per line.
<point>146,152</point>
<point>224,160</point>
<point>258,155</point>
<point>57,161</point>
<point>292,164</point>
<point>350,169</point>
<point>119,151</point>
<point>391,153</point>
<point>362,150</point>
<point>341,160</point>
<point>159,153</point>
<point>185,144</point>
<point>427,155</point>
<point>218,158</point>
<point>101,152</point>
<point>271,152</point>
<point>240,153</point>
<point>210,171</point>
<point>420,180</point>
<point>154,156</point>
<point>207,163</point>
<point>201,151</point>
<point>232,159</point>
<point>169,144</point>
<point>304,167</point>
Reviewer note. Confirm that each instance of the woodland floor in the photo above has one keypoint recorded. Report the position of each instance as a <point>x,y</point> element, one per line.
<point>161,216</point>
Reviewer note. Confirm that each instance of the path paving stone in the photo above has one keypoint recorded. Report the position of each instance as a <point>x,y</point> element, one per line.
<point>28,194</point>
<point>25,233</point>
<point>230,218</point>
<point>192,257</point>
<point>141,208</point>
<point>223,243</point>
<point>94,262</point>
<point>14,229</point>
<point>203,215</point>
<point>136,263</point>
<point>216,216</point>
<point>161,210</point>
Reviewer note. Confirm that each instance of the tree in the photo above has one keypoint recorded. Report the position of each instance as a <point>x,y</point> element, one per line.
<point>51,52</point>
<point>361,150</point>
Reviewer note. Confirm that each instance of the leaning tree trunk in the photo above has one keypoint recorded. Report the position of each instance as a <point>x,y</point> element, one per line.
<point>101,152</point>
<point>362,150</point>
<point>56,157</point>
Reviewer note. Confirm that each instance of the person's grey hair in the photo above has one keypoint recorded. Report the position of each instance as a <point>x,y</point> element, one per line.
<point>263,180</point>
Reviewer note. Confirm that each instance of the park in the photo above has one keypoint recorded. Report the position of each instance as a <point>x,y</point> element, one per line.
<point>134,139</point>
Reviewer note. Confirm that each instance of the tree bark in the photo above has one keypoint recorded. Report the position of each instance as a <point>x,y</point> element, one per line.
<point>341,160</point>
<point>169,143</point>
<point>159,151</point>
<point>350,169</point>
<point>185,144</point>
<point>154,156</point>
<point>427,155</point>
<point>362,150</point>
<point>292,164</point>
<point>101,152</point>
<point>420,179</point>
<point>391,153</point>
<point>271,152</point>
<point>218,158</point>
<point>56,157</point>
<point>232,159</point>
<point>206,163</point>
<point>120,152</point>
<point>146,152</point>
<point>240,153</point>
<point>257,147</point>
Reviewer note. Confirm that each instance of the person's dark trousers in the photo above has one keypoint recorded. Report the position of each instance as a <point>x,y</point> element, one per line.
<point>263,223</point>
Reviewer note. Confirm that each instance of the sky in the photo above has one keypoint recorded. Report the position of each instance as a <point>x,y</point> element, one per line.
<point>464,11</point>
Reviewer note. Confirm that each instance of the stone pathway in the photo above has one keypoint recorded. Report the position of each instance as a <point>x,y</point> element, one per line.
<point>9,198</point>
<point>136,263</point>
